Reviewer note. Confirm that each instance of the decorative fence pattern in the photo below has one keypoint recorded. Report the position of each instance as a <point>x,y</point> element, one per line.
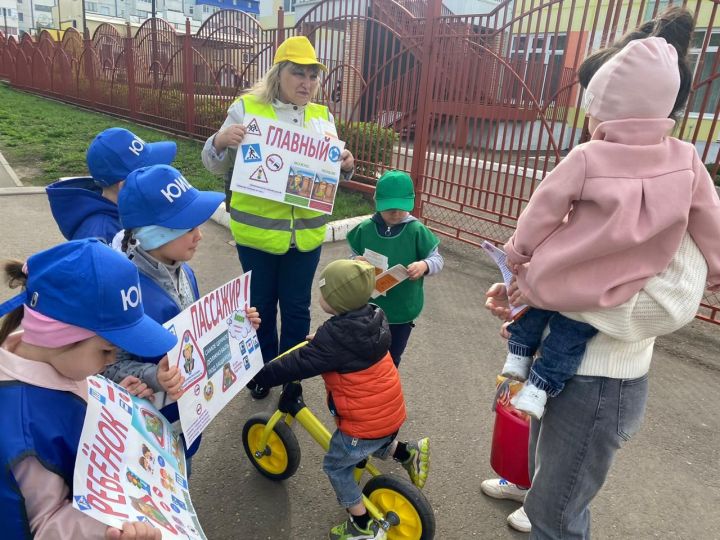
<point>484,105</point>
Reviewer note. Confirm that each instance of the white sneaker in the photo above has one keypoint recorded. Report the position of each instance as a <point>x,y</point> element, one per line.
<point>517,367</point>
<point>519,521</point>
<point>530,399</point>
<point>499,488</point>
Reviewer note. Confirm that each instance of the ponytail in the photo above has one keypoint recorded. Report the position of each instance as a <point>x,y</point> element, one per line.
<point>675,25</point>
<point>127,240</point>
<point>15,277</point>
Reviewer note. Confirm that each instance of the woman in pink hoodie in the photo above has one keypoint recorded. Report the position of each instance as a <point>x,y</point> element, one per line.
<point>610,216</point>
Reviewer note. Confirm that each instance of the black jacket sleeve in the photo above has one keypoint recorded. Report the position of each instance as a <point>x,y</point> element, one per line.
<point>319,356</point>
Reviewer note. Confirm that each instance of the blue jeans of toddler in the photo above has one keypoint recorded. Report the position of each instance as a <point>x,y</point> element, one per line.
<point>344,454</point>
<point>562,349</point>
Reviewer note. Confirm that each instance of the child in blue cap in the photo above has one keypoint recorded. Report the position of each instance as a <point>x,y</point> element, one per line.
<point>392,231</point>
<point>87,207</point>
<point>162,213</point>
<point>80,302</point>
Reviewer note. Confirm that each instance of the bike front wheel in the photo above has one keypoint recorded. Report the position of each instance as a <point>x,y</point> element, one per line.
<point>281,457</point>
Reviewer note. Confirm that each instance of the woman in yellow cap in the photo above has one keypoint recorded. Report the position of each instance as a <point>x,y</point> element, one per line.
<point>280,243</point>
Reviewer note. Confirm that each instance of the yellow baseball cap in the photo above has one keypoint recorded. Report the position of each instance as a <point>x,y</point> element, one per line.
<point>298,50</point>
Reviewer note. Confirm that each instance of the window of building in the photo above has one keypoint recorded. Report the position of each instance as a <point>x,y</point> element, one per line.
<point>538,61</point>
<point>104,10</point>
<point>91,6</point>
<point>47,9</point>
<point>20,17</point>
<point>650,10</point>
<point>289,5</point>
<point>702,65</point>
<point>206,8</point>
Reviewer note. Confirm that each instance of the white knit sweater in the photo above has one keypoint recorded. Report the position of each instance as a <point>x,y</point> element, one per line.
<point>623,348</point>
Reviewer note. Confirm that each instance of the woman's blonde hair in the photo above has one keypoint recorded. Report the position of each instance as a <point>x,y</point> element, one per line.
<point>267,89</point>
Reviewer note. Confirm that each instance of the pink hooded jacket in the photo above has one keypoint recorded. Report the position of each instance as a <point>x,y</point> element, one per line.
<point>612,214</point>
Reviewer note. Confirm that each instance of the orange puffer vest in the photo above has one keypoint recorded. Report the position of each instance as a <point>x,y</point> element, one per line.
<point>369,404</point>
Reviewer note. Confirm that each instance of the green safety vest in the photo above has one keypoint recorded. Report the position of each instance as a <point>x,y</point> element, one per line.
<point>404,302</point>
<point>271,226</point>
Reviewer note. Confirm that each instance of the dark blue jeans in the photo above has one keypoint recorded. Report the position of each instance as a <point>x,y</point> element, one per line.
<point>562,349</point>
<point>284,281</point>
<point>400,335</point>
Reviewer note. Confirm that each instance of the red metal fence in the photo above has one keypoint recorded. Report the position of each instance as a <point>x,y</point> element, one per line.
<point>484,105</point>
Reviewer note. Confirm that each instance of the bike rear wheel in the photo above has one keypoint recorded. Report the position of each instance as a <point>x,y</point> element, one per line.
<point>399,496</point>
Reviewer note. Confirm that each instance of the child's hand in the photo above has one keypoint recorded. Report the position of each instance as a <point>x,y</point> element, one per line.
<point>170,378</point>
<point>310,337</point>
<point>253,316</point>
<point>360,258</point>
<point>230,137</point>
<point>504,332</point>
<point>136,387</point>
<point>417,269</point>
<point>514,268</point>
<point>133,531</point>
<point>497,301</point>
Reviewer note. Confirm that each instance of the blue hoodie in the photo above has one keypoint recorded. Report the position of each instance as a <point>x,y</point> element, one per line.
<point>81,211</point>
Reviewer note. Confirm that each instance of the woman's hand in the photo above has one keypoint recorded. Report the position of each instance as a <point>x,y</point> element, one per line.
<point>347,161</point>
<point>133,531</point>
<point>417,270</point>
<point>516,297</point>
<point>497,301</point>
<point>253,316</point>
<point>230,137</point>
<point>170,378</point>
<point>136,387</point>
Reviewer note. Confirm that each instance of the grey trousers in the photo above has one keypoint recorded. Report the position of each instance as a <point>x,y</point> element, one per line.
<point>573,446</point>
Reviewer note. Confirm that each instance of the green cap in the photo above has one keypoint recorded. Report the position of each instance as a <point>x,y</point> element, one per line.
<point>394,190</point>
<point>346,285</point>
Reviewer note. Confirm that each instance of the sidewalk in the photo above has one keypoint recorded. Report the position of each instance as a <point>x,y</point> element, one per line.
<point>8,178</point>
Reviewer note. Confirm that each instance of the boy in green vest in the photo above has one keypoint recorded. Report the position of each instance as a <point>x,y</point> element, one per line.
<point>393,232</point>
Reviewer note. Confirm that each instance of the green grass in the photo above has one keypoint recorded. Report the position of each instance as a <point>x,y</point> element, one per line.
<point>44,140</point>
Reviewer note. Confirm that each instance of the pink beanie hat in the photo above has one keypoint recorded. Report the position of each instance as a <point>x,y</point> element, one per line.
<point>641,81</point>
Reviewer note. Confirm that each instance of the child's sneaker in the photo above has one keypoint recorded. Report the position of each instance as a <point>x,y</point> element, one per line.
<point>517,367</point>
<point>348,530</point>
<point>530,399</point>
<point>418,464</point>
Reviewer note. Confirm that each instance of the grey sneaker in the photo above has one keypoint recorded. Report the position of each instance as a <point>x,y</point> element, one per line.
<point>418,464</point>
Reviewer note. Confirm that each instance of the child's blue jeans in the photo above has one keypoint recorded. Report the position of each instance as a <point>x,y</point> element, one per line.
<point>344,454</point>
<point>562,349</point>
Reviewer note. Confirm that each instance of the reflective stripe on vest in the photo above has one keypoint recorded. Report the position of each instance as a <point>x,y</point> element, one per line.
<point>269,225</point>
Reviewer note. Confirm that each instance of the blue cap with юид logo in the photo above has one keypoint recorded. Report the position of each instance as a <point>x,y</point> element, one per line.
<point>116,152</point>
<point>87,284</point>
<point>160,195</point>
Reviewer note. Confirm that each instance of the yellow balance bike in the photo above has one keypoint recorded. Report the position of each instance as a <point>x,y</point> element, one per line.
<point>399,507</point>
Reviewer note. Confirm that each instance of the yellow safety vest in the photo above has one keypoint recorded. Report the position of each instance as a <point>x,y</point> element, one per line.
<point>270,225</point>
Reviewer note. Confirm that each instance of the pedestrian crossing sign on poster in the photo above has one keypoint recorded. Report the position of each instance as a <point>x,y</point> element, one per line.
<point>251,153</point>
<point>283,163</point>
